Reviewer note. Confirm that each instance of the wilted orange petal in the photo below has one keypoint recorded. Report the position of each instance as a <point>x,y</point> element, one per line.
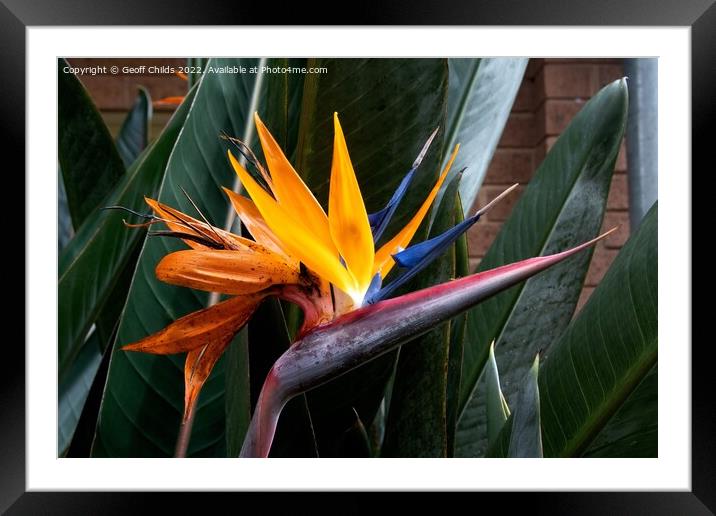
<point>213,324</point>
<point>347,217</point>
<point>290,190</point>
<point>296,237</point>
<point>178,221</point>
<point>228,272</point>
<point>197,368</point>
<point>383,259</point>
<point>254,222</point>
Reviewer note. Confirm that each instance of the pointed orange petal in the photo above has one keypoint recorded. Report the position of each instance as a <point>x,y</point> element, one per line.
<point>228,272</point>
<point>383,259</point>
<point>197,368</point>
<point>295,236</point>
<point>175,220</point>
<point>255,223</point>
<point>290,190</point>
<point>193,331</point>
<point>347,216</point>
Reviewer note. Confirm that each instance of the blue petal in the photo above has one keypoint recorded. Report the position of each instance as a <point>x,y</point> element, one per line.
<point>416,257</point>
<point>374,286</point>
<point>380,219</point>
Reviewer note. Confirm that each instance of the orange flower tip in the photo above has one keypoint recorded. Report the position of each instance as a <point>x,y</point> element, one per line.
<point>494,201</point>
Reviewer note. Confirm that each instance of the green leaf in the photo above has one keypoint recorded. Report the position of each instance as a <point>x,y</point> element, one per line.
<point>480,98</point>
<point>604,355</point>
<point>417,416</point>
<point>75,385</point>
<point>73,390</point>
<point>633,430</point>
<point>237,402</point>
<point>88,158</point>
<point>196,65</point>
<point>65,232</point>
<point>134,134</point>
<point>526,434</point>
<point>457,337</point>
<point>387,108</point>
<point>563,205</point>
<point>143,397</point>
<point>497,409</point>
<point>91,265</point>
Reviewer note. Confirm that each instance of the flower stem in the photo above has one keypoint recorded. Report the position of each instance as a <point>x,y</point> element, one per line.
<point>185,433</point>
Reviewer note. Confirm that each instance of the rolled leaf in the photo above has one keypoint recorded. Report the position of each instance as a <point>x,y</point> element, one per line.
<point>133,136</point>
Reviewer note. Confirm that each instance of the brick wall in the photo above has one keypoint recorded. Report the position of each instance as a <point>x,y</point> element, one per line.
<point>552,92</point>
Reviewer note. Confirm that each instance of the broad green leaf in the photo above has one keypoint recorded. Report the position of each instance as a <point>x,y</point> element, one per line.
<point>91,265</point>
<point>143,397</point>
<point>480,98</point>
<point>417,416</point>
<point>457,338</point>
<point>134,134</point>
<point>497,409</point>
<point>633,430</point>
<point>604,355</point>
<point>75,386</point>
<point>236,399</point>
<point>88,158</point>
<point>387,108</point>
<point>563,205</point>
<point>73,390</point>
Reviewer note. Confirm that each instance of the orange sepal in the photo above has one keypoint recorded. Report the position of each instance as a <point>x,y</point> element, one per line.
<point>234,272</point>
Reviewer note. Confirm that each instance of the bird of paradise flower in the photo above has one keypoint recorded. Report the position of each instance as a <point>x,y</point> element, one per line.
<point>327,264</point>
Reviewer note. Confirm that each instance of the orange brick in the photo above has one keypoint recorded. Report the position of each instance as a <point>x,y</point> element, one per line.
<point>601,260</point>
<point>519,131</point>
<point>556,114</point>
<point>503,209</point>
<point>118,93</point>
<point>108,93</point>
<point>620,220</point>
<point>480,237</point>
<point>510,166</point>
<point>607,73</point>
<point>621,164</point>
<point>474,264</point>
<point>618,193</point>
<point>583,298</point>
<point>524,100</point>
<point>559,80</point>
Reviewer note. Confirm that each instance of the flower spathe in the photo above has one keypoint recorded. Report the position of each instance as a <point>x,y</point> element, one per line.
<point>298,253</point>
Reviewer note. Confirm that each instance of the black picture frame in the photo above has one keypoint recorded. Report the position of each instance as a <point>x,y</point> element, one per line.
<point>17,15</point>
